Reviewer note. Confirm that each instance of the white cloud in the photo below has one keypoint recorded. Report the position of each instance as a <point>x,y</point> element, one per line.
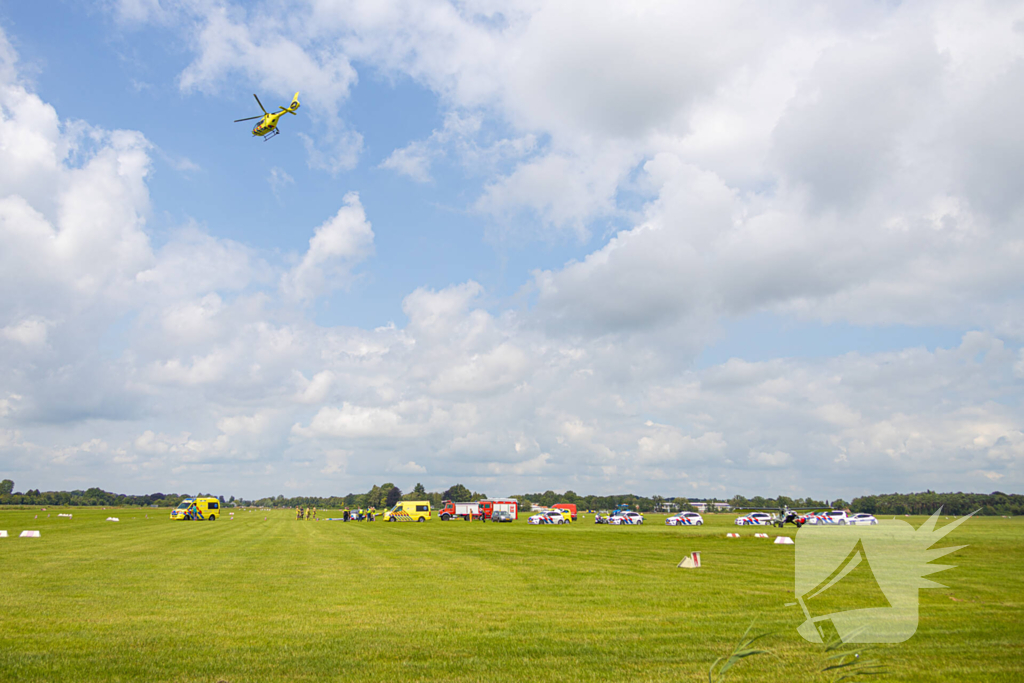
<point>30,332</point>
<point>279,179</point>
<point>773,459</point>
<point>457,135</point>
<point>335,461</point>
<point>351,421</point>
<point>413,160</point>
<point>407,468</point>
<point>315,390</point>
<point>853,164</point>
<point>339,244</point>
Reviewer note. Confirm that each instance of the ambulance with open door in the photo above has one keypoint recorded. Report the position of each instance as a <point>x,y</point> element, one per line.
<point>197,509</point>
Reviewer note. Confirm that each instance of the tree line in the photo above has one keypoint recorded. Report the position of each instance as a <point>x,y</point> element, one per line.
<point>388,494</point>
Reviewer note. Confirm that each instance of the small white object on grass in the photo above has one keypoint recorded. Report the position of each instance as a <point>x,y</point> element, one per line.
<point>691,562</point>
<point>29,534</point>
<point>760,535</point>
<point>3,533</point>
<point>113,519</point>
<point>732,535</point>
<point>783,540</point>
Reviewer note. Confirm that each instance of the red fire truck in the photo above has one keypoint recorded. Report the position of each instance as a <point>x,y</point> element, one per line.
<point>509,505</point>
<point>467,511</point>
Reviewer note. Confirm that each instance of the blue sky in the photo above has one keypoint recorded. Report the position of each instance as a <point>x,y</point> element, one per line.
<point>86,64</point>
<point>584,251</point>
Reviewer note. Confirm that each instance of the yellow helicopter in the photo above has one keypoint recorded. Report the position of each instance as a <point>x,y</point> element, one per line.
<point>267,127</point>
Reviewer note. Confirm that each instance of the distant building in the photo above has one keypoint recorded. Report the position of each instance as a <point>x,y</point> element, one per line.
<point>668,506</point>
<point>701,506</point>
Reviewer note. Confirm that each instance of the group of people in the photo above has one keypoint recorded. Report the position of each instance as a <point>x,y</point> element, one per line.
<point>359,515</point>
<point>347,515</point>
<point>306,514</point>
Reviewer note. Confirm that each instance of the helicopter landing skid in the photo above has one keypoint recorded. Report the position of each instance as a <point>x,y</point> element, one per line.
<point>271,135</point>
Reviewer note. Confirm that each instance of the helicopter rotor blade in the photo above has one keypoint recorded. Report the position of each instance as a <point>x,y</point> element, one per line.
<point>248,119</point>
<point>259,103</point>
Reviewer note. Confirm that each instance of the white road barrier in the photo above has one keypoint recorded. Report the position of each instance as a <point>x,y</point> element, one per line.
<point>783,540</point>
<point>29,534</point>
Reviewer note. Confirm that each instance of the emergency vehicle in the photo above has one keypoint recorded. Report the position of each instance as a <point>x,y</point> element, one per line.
<point>569,507</point>
<point>409,511</point>
<point>467,511</point>
<point>548,517</point>
<point>754,519</point>
<point>197,509</point>
<point>685,519</point>
<point>492,505</point>
<point>627,517</point>
<point>829,517</point>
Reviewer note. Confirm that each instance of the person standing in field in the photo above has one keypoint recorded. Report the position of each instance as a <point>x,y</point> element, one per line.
<point>314,514</point>
<point>298,512</point>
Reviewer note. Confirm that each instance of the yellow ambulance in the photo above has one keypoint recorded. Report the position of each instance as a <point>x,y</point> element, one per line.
<point>409,511</point>
<point>197,509</point>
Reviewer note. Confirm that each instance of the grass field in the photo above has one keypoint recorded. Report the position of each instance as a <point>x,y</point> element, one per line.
<point>266,598</point>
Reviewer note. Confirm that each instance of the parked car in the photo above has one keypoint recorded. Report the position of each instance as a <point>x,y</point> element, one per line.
<point>501,516</point>
<point>567,506</point>
<point>628,517</point>
<point>547,517</point>
<point>754,519</point>
<point>685,519</point>
<point>828,517</point>
<point>862,518</point>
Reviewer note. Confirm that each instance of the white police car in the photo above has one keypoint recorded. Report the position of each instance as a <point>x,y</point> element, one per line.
<point>547,517</point>
<point>862,518</point>
<point>627,517</point>
<point>829,517</point>
<point>754,519</point>
<point>685,519</point>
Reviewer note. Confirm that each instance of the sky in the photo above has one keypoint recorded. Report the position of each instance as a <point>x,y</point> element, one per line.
<point>668,248</point>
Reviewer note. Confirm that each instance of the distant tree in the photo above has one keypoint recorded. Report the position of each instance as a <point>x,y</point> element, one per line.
<point>6,487</point>
<point>394,495</point>
<point>839,504</point>
<point>458,494</point>
<point>374,498</point>
<point>419,490</point>
<point>221,499</point>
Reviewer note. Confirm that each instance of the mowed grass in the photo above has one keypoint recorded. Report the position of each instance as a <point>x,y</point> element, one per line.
<point>266,598</point>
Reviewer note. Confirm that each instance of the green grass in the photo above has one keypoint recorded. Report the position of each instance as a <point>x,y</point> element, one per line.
<point>274,599</point>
